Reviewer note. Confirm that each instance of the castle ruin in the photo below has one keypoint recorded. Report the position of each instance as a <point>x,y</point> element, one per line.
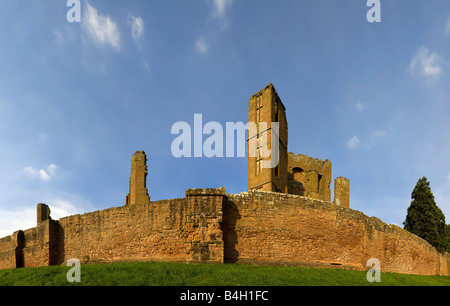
<point>295,174</point>
<point>285,217</point>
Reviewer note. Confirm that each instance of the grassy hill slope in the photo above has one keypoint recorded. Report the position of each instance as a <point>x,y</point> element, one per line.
<point>172,274</point>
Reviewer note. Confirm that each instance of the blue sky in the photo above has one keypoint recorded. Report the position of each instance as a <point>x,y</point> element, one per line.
<point>78,99</point>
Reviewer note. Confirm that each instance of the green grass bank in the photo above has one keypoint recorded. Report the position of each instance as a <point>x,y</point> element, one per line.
<point>177,274</point>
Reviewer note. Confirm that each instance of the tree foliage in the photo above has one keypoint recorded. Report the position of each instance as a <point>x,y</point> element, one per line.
<point>447,236</point>
<point>424,218</point>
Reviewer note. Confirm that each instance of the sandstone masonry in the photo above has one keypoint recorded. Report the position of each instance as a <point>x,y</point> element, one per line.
<point>286,217</point>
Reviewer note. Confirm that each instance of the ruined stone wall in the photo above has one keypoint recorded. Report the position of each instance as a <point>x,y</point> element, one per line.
<point>5,244</point>
<point>139,232</point>
<point>7,255</point>
<point>204,225</point>
<point>209,226</point>
<point>270,228</point>
<point>36,245</point>
<point>180,230</point>
<point>309,177</point>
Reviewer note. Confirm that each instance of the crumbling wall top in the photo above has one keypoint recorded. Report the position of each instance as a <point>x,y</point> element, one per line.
<point>43,213</point>
<point>206,192</point>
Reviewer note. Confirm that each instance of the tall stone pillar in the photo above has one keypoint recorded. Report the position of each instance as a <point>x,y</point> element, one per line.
<point>138,180</point>
<point>43,213</point>
<point>342,192</point>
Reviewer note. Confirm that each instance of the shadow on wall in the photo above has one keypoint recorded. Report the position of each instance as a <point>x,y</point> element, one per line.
<point>58,258</point>
<point>231,216</point>
<point>56,252</point>
<point>29,246</point>
<point>20,258</point>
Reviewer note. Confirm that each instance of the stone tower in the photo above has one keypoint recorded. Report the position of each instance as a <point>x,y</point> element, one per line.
<point>138,180</point>
<point>266,106</point>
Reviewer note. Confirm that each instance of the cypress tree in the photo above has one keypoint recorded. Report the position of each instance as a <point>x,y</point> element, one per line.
<point>424,218</point>
<point>447,236</point>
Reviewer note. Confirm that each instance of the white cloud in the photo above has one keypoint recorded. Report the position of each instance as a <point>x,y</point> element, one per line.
<point>25,218</point>
<point>52,169</point>
<point>60,208</point>
<point>354,143</point>
<point>137,28</point>
<point>220,7</point>
<point>426,63</point>
<point>201,46</point>
<point>100,28</point>
<point>43,175</point>
<point>12,221</point>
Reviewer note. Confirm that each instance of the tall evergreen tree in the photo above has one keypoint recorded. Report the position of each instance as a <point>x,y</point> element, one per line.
<point>424,218</point>
<point>447,236</point>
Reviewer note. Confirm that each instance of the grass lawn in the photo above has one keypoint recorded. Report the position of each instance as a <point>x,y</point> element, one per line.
<point>175,274</point>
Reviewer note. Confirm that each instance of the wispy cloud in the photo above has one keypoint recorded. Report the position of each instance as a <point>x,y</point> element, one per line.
<point>219,12</point>
<point>379,133</point>
<point>43,175</point>
<point>137,28</point>
<point>354,143</point>
<point>61,208</point>
<point>101,29</point>
<point>447,27</point>
<point>201,46</point>
<point>58,36</point>
<point>426,64</point>
<point>220,7</point>
<point>147,65</point>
